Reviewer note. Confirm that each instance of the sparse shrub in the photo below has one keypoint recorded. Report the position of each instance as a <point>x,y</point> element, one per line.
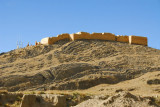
<point>78,96</point>
<point>16,104</point>
<point>157,101</point>
<point>75,95</point>
<point>3,91</point>
<point>33,92</point>
<point>42,92</point>
<point>6,105</point>
<point>19,98</point>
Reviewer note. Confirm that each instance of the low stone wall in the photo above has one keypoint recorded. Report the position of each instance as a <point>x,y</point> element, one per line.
<point>100,36</point>
<point>138,40</point>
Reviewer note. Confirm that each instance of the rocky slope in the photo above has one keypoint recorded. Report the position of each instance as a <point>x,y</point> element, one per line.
<point>75,65</point>
<point>130,93</point>
<point>122,99</point>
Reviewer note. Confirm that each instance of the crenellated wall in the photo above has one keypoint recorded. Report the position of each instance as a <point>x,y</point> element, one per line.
<point>100,36</point>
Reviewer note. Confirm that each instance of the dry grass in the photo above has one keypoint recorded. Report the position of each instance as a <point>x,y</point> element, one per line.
<point>3,91</point>
<point>157,100</point>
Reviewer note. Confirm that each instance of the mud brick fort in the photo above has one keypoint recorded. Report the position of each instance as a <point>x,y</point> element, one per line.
<point>99,36</point>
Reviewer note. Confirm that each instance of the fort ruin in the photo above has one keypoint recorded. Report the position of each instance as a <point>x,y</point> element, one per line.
<point>99,36</point>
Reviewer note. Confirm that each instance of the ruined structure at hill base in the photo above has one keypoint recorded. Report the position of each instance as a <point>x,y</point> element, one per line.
<point>99,36</point>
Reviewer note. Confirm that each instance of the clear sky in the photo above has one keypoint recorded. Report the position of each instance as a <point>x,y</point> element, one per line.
<point>32,20</point>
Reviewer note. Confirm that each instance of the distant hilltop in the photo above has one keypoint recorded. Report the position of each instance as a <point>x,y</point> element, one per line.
<point>99,36</point>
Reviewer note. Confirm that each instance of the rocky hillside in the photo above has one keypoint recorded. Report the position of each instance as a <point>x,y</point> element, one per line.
<point>142,91</point>
<point>70,65</point>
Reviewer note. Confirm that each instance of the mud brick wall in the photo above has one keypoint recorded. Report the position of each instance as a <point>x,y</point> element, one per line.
<point>99,36</point>
<point>122,39</point>
<point>52,40</point>
<point>64,36</point>
<point>80,35</point>
<point>109,36</point>
<point>138,40</point>
<point>96,36</point>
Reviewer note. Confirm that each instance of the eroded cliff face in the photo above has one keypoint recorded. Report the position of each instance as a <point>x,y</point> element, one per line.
<point>119,99</point>
<point>40,99</point>
<point>44,100</point>
<point>32,100</point>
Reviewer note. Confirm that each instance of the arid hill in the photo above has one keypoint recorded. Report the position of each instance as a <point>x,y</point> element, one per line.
<point>80,73</point>
<point>70,65</point>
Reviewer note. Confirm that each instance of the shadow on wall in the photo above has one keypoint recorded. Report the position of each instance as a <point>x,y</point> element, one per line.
<point>100,36</point>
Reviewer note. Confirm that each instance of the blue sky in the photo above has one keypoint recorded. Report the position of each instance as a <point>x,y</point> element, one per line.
<point>32,20</point>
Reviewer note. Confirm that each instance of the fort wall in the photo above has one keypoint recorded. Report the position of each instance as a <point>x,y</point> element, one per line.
<point>52,40</point>
<point>45,41</point>
<point>138,40</point>
<point>76,37</point>
<point>100,36</point>
<point>96,36</point>
<point>109,36</point>
<point>80,35</point>
<point>103,36</point>
<point>64,36</point>
<point>122,39</point>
